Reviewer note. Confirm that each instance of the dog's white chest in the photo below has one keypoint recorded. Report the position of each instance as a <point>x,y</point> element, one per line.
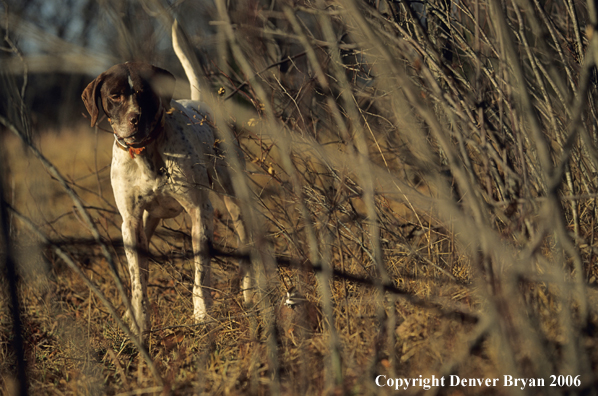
<point>165,175</point>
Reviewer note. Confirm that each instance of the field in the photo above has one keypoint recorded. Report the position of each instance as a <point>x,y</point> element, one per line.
<point>428,186</point>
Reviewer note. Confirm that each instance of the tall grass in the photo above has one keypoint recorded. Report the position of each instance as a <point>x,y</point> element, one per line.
<point>425,176</point>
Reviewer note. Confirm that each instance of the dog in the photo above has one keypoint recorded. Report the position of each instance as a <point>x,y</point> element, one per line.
<point>164,161</point>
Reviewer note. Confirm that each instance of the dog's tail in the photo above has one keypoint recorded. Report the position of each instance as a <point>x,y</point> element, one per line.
<point>183,51</point>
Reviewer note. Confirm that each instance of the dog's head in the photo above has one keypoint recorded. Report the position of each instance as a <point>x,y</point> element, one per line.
<point>133,96</point>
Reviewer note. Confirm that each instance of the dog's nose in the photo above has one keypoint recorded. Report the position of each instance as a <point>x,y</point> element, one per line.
<point>134,119</point>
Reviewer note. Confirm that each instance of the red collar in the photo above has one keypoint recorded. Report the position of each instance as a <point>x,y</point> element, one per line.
<point>137,148</point>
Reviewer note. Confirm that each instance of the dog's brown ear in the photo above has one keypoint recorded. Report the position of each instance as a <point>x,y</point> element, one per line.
<point>91,98</point>
<point>163,83</point>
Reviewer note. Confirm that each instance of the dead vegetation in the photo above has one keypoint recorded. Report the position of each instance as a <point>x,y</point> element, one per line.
<point>425,177</point>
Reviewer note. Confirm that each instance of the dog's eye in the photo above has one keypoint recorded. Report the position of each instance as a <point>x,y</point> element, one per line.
<point>115,97</point>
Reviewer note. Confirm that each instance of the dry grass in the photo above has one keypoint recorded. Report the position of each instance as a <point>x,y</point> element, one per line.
<point>431,190</point>
<point>73,345</point>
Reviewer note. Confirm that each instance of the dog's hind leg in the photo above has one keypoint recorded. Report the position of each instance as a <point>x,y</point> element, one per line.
<point>150,224</point>
<point>202,235</point>
<point>247,275</point>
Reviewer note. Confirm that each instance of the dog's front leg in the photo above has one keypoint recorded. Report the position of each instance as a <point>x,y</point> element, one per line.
<point>202,217</point>
<point>136,247</point>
